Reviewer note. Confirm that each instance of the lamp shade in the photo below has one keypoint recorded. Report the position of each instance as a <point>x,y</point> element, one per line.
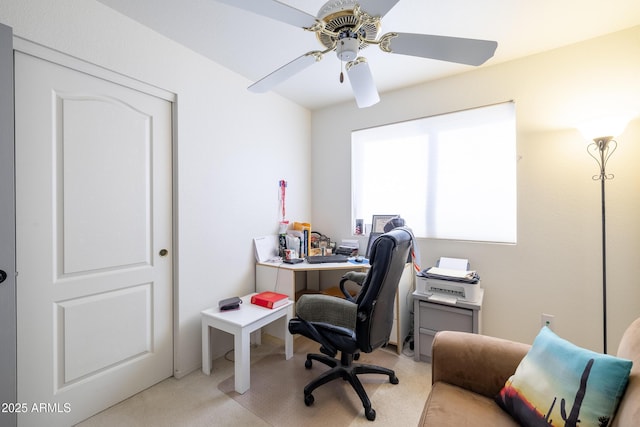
<point>612,125</point>
<point>362,84</point>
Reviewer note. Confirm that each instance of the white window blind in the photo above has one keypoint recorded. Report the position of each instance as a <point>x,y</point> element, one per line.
<point>451,176</point>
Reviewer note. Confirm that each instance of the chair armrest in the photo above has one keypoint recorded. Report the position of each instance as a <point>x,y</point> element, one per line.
<point>356,277</point>
<point>478,363</point>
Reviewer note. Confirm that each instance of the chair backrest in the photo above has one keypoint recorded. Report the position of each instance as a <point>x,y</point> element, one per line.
<point>376,299</point>
<point>629,410</point>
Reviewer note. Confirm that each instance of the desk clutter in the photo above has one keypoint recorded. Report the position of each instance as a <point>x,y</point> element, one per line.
<point>266,299</point>
<point>269,299</point>
<point>298,243</point>
<point>232,303</point>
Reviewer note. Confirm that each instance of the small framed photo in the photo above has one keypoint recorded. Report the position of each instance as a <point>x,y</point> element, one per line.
<point>379,221</point>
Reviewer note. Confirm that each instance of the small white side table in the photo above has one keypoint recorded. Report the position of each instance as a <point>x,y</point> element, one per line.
<point>241,323</point>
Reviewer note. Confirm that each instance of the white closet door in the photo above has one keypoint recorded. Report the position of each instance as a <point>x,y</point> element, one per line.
<point>93,205</point>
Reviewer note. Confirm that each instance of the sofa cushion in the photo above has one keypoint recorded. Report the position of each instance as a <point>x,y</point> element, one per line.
<point>450,405</point>
<point>563,384</point>
<point>629,409</point>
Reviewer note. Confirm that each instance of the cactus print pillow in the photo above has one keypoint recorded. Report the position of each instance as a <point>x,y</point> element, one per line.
<point>560,384</point>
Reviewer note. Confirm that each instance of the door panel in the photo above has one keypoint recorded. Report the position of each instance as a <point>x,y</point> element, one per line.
<point>84,349</point>
<point>93,204</point>
<point>94,153</point>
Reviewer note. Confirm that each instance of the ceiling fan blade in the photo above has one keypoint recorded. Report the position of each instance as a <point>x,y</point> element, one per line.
<point>452,49</point>
<point>362,84</point>
<point>286,71</point>
<point>275,10</point>
<point>377,7</point>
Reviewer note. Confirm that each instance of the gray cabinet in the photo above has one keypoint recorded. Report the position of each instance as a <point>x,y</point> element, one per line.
<point>432,316</point>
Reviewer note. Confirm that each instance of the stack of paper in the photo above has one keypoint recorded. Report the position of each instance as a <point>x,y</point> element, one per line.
<point>266,248</point>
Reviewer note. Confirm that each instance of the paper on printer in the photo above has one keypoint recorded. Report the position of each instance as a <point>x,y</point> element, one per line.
<point>450,279</point>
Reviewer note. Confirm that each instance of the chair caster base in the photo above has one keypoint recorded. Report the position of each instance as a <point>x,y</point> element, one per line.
<point>370,413</point>
<point>308,399</point>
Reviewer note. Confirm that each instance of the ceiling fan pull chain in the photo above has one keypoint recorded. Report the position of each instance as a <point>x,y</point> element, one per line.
<point>341,72</point>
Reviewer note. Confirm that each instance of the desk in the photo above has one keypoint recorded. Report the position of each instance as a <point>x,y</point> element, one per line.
<point>241,323</point>
<point>290,279</point>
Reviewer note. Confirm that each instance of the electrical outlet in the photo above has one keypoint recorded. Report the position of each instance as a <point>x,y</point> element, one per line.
<point>547,320</point>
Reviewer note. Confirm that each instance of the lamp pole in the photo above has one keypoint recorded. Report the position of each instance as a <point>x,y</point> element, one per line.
<point>601,150</point>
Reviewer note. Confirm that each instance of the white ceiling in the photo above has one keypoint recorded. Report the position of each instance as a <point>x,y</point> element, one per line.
<point>254,46</point>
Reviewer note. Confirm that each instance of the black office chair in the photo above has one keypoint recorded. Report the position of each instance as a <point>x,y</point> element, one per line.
<point>351,326</point>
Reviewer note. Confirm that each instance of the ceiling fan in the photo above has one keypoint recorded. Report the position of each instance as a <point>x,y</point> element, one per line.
<point>346,27</point>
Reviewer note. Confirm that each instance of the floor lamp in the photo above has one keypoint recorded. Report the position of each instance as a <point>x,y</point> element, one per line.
<point>601,150</point>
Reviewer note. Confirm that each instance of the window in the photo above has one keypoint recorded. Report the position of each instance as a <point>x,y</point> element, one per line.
<point>451,176</point>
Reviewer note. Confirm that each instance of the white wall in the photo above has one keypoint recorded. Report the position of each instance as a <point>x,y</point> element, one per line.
<point>232,147</point>
<point>556,265</point>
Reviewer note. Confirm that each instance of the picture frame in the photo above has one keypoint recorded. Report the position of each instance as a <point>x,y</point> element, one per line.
<point>379,221</point>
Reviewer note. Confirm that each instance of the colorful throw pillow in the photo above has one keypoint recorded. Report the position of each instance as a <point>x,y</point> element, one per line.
<point>561,384</point>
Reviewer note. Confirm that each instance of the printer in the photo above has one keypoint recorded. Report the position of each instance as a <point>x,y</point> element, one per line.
<point>453,281</point>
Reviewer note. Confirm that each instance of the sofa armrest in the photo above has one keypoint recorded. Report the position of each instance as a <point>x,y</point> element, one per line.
<point>474,362</point>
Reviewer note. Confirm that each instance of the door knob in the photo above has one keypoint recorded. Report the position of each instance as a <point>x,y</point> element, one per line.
<point>3,276</point>
<point>163,252</point>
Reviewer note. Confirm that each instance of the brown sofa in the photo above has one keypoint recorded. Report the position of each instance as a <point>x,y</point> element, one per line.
<point>469,370</point>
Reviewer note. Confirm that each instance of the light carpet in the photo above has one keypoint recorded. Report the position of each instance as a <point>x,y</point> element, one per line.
<point>196,400</point>
<point>276,394</point>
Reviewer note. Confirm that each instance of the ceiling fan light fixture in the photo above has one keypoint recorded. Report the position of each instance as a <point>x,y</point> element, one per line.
<point>362,84</point>
<point>347,49</point>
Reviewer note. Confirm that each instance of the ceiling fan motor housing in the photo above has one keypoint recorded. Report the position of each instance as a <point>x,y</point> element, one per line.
<point>347,49</point>
<point>339,17</point>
